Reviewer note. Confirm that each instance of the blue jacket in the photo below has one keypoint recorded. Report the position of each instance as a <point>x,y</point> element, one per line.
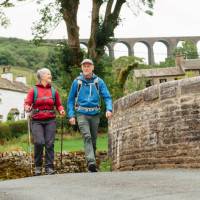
<point>88,96</point>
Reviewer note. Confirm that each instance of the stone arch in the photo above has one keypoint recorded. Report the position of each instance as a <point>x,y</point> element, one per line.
<point>142,53</point>
<point>122,52</point>
<point>84,46</point>
<point>160,50</point>
<point>109,50</point>
<point>198,47</point>
<point>179,43</point>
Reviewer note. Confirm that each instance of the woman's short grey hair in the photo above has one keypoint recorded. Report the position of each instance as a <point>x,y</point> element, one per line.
<point>41,73</point>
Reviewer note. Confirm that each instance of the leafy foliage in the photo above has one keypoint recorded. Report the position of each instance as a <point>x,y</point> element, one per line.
<point>188,49</point>
<point>17,52</point>
<point>123,66</point>
<point>13,129</point>
<point>50,18</point>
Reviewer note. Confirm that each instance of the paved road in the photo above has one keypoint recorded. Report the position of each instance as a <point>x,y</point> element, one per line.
<point>138,185</point>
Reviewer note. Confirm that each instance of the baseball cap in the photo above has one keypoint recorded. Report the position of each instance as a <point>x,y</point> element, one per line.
<point>87,61</point>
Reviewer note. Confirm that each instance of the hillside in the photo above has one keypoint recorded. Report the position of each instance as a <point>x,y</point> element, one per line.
<point>18,52</point>
<point>25,58</point>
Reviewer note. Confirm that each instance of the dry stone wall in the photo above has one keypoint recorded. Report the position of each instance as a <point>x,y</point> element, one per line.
<point>158,127</point>
<point>17,164</point>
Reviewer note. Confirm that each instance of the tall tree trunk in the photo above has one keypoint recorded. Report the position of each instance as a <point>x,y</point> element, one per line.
<point>101,33</point>
<point>92,51</point>
<point>69,11</point>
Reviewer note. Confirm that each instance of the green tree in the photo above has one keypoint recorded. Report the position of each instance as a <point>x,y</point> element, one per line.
<point>188,49</point>
<point>102,26</point>
<point>122,67</point>
<point>22,53</point>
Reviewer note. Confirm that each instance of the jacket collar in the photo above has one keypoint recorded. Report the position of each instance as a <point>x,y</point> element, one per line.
<point>42,86</point>
<point>82,77</point>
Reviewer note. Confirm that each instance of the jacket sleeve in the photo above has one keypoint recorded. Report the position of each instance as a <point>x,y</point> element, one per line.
<point>58,102</point>
<point>104,92</point>
<point>29,98</point>
<point>71,100</point>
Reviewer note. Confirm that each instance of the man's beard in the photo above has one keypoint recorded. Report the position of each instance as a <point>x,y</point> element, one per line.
<point>87,75</point>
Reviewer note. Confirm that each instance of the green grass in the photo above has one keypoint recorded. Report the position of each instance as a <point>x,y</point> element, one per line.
<point>70,143</point>
<point>76,143</point>
<point>105,166</point>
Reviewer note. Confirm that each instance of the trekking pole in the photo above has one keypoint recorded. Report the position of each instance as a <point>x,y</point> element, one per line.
<point>29,142</point>
<point>61,146</point>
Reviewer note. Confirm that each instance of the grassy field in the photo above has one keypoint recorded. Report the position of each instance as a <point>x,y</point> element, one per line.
<point>71,143</point>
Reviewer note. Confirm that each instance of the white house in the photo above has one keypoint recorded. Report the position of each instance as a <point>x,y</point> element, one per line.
<point>12,95</point>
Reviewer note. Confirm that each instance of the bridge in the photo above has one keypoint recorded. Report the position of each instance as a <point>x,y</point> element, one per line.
<point>169,42</point>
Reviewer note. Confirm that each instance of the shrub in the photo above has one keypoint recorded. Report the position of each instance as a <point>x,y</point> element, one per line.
<point>5,132</point>
<point>18,128</point>
<point>15,129</point>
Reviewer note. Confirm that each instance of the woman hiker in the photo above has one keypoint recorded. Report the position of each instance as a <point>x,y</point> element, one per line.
<point>40,101</point>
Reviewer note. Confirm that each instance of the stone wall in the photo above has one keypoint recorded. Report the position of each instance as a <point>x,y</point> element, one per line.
<point>17,164</point>
<point>158,127</point>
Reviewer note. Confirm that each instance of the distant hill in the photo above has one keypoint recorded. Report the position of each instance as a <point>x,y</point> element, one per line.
<point>18,52</point>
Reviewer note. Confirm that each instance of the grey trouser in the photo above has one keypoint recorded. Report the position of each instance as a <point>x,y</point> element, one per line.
<point>43,136</point>
<point>88,126</point>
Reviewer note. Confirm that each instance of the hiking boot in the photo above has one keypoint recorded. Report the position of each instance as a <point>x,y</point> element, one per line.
<point>92,168</point>
<point>50,171</point>
<point>38,171</point>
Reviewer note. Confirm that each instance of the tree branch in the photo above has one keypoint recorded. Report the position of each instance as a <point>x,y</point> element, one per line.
<point>117,9</point>
<point>108,9</point>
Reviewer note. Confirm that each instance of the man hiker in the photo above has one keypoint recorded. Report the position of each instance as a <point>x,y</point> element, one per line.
<point>84,104</point>
<point>40,101</point>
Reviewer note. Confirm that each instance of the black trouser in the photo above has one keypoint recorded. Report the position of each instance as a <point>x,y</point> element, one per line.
<point>43,136</point>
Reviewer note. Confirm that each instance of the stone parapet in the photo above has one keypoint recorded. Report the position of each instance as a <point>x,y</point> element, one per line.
<point>158,127</point>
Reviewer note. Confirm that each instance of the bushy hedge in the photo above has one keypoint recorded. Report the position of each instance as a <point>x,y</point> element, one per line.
<point>5,132</point>
<point>10,130</point>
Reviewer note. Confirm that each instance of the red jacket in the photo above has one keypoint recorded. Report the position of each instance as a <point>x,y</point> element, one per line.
<point>42,108</point>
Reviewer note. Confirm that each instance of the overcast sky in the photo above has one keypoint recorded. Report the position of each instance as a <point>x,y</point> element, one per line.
<point>171,18</point>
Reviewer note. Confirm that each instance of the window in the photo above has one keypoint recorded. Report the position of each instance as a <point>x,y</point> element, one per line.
<point>149,83</point>
<point>163,80</point>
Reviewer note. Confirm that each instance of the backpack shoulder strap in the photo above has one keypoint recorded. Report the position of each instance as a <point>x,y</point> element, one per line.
<point>53,92</point>
<point>80,82</point>
<point>96,81</point>
<point>35,93</point>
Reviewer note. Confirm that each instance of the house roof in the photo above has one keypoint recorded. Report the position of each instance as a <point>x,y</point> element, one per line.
<point>190,64</point>
<point>14,86</point>
<point>158,72</point>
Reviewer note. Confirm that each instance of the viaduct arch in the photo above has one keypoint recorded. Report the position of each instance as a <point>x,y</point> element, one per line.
<point>170,42</point>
